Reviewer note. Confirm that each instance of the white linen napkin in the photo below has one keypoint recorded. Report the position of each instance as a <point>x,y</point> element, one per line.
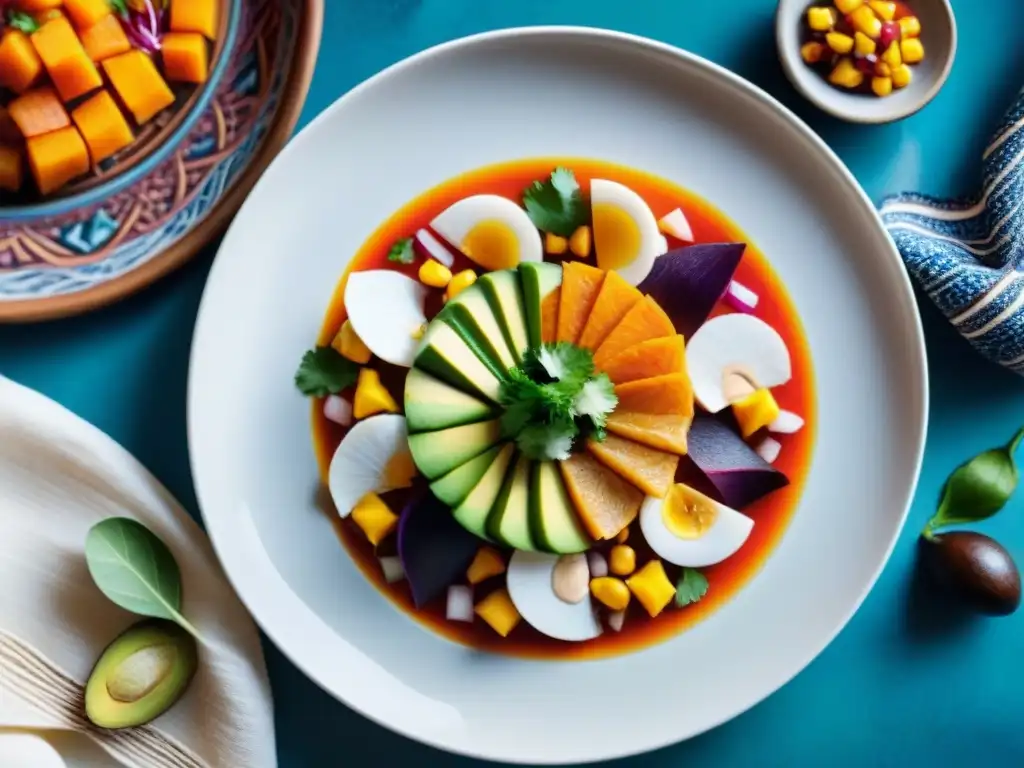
<point>58,477</point>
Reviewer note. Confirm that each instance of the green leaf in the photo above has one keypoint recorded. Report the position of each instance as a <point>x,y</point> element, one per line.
<point>596,400</point>
<point>22,21</point>
<point>979,488</point>
<point>691,588</point>
<point>402,252</point>
<point>120,6</point>
<point>556,205</point>
<point>547,442</point>
<point>325,371</point>
<point>135,570</point>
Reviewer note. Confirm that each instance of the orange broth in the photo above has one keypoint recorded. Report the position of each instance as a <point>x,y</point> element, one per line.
<point>771,514</point>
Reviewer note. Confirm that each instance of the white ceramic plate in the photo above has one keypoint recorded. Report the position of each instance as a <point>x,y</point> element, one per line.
<point>544,92</point>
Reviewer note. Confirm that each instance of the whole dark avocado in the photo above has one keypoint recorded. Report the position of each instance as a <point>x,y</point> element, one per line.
<point>140,675</point>
<point>975,568</point>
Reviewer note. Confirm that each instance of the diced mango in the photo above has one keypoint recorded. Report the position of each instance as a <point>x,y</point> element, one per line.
<point>863,19</point>
<point>864,45</point>
<point>622,560</point>
<point>72,71</point>
<point>20,65</point>
<point>56,158</point>
<point>104,39</point>
<point>839,42</point>
<point>910,26</point>
<point>435,274</point>
<point>348,344</point>
<point>901,76</point>
<point>371,396</point>
<point>650,585</point>
<point>892,56</point>
<point>460,282</point>
<point>912,50</point>
<point>103,127</point>
<point>38,111</point>
<point>12,169</point>
<point>195,16</point>
<point>139,84</point>
<point>610,592</point>
<point>813,52</point>
<point>186,57</point>
<point>882,86</point>
<point>498,610</point>
<point>580,242</point>
<point>846,74</point>
<point>86,13</point>
<point>554,244</point>
<point>488,562</point>
<point>755,411</point>
<point>822,19</point>
<point>374,517</point>
<point>848,6</point>
<point>886,11</point>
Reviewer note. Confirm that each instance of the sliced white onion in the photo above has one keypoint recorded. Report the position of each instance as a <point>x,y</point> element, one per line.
<point>432,248</point>
<point>392,568</point>
<point>741,298</point>
<point>769,449</point>
<point>616,619</point>
<point>386,309</point>
<point>460,603</point>
<point>338,410</point>
<point>676,224</point>
<point>788,423</point>
<point>598,565</point>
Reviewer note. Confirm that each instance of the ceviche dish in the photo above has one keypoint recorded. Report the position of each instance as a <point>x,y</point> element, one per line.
<point>563,408</point>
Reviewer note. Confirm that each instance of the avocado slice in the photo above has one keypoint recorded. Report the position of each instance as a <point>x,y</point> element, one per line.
<point>509,521</point>
<point>431,404</point>
<point>140,675</point>
<point>472,318</point>
<point>444,354</point>
<point>438,453</point>
<point>538,279</point>
<point>454,487</point>
<point>473,512</point>
<point>505,296</point>
<point>553,522</point>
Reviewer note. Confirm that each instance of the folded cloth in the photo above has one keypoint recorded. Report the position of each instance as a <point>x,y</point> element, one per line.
<point>964,253</point>
<point>58,477</point>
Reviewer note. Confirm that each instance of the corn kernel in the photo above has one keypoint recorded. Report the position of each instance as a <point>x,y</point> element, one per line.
<point>755,411</point>
<point>886,11</point>
<point>498,610</point>
<point>912,50</point>
<point>848,6</point>
<point>650,585</point>
<point>839,42</point>
<point>822,19</point>
<point>610,592</point>
<point>846,74</point>
<point>864,45</point>
<point>374,518</point>
<point>910,26</point>
<point>901,76</point>
<point>863,19</point>
<point>419,331</point>
<point>622,560</point>
<point>554,244</point>
<point>487,563</point>
<point>812,53</point>
<point>882,69</point>
<point>460,282</point>
<point>371,396</point>
<point>579,243</point>
<point>435,274</point>
<point>349,345</point>
<point>623,536</point>
<point>882,86</point>
<point>892,55</point>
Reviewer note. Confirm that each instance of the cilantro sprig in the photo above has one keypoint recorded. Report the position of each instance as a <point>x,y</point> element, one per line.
<point>556,205</point>
<point>692,587</point>
<point>324,371</point>
<point>22,21</point>
<point>402,252</point>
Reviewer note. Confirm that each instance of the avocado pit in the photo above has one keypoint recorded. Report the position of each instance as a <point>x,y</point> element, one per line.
<point>976,569</point>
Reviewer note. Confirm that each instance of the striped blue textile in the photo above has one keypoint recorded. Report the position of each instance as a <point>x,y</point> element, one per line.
<point>966,254</point>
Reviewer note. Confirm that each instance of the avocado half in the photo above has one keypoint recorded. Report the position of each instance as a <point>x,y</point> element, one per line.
<point>140,675</point>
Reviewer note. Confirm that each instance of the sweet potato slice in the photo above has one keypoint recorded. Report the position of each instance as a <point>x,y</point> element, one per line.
<point>580,286</point>
<point>56,158</point>
<point>649,469</point>
<point>102,126</point>
<point>38,111</point>
<point>614,300</point>
<point>655,357</point>
<point>20,65</point>
<point>645,321</point>
<point>139,84</point>
<point>549,316</point>
<point>69,66</point>
<point>666,432</point>
<point>660,395</point>
<point>185,57</point>
<point>195,16</point>
<point>604,501</point>
<point>104,39</point>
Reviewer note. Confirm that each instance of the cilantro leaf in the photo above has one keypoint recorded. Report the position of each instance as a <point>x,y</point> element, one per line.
<point>119,6</point>
<point>692,587</point>
<point>565,362</point>
<point>22,21</point>
<point>596,399</point>
<point>324,371</point>
<point>556,205</point>
<point>402,251</point>
<point>547,442</point>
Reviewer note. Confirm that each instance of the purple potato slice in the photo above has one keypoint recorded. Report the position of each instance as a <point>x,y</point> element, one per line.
<point>435,550</point>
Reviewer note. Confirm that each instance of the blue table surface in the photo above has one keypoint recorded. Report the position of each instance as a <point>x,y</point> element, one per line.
<point>904,681</point>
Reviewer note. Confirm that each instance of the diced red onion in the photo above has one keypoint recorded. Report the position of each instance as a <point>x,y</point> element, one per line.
<point>787,423</point>
<point>460,603</point>
<point>338,410</point>
<point>769,449</point>
<point>430,247</point>
<point>597,564</point>
<point>392,568</point>
<point>741,298</point>
<point>676,224</point>
<point>616,619</point>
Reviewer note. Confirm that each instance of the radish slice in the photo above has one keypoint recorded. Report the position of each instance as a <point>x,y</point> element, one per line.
<point>460,603</point>
<point>769,449</point>
<point>338,410</point>
<point>788,423</point>
<point>392,568</point>
<point>675,224</point>
<point>598,565</point>
<point>430,247</point>
<point>372,458</point>
<point>741,298</point>
<point>616,619</point>
<point>386,309</point>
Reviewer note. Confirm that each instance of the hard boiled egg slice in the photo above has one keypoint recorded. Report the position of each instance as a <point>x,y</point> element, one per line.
<point>531,585</point>
<point>386,309</point>
<point>490,230</point>
<point>626,236</point>
<point>689,529</point>
<point>373,457</point>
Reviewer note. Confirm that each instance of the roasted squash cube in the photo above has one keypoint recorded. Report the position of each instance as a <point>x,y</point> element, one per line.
<point>195,16</point>
<point>38,111</point>
<point>103,127</point>
<point>185,57</point>
<point>20,65</point>
<point>56,158</point>
<point>86,13</point>
<point>104,39</point>
<point>72,71</point>
<point>139,84</point>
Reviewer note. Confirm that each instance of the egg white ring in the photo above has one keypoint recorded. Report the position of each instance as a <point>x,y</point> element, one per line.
<point>727,534</point>
<point>457,221</point>
<point>652,244</point>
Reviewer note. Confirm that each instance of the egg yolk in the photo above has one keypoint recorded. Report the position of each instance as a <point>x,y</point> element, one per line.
<point>616,236</point>
<point>400,470</point>
<point>688,514</point>
<point>492,244</point>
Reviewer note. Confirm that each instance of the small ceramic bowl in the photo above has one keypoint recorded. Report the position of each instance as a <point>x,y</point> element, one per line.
<point>938,33</point>
<point>131,222</point>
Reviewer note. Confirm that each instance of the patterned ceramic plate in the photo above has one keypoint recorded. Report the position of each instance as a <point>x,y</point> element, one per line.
<point>109,238</point>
